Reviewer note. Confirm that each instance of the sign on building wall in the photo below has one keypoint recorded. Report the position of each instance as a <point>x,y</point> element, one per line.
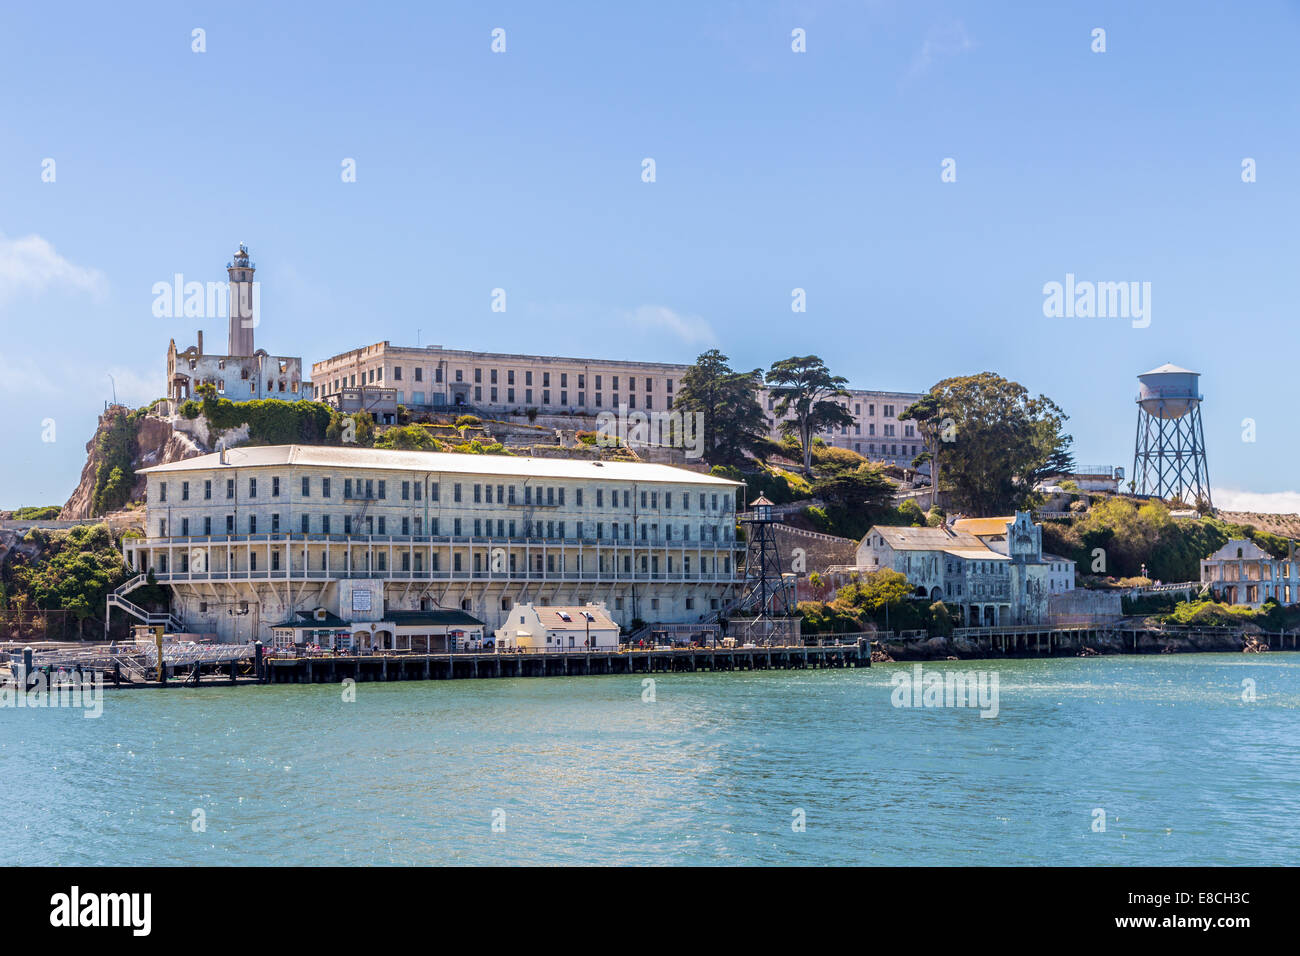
<point>361,600</point>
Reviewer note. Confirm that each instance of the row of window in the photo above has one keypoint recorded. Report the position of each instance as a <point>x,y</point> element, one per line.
<point>373,375</point>
<point>413,562</point>
<point>891,450</point>
<point>484,493</point>
<point>887,411</point>
<point>508,603</point>
<point>494,397</point>
<point>501,528</point>
<point>909,431</point>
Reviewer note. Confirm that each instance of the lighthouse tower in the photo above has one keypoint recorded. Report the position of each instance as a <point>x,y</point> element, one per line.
<point>242,299</point>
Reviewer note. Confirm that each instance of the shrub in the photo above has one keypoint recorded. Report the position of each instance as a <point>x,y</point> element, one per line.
<point>408,438</point>
<point>833,618</point>
<point>271,420</point>
<point>912,513</point>
<point>830,459</point>
<point>477,447</point>
<point>42,513</point>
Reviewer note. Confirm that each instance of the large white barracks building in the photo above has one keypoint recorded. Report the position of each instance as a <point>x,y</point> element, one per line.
<point>252,537</point>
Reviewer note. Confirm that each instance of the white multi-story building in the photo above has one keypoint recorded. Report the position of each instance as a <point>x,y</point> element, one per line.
<point>249,537</point>
<point>433,378</point>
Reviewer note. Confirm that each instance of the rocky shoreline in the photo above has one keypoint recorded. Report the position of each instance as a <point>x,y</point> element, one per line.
<point>1089,644</point>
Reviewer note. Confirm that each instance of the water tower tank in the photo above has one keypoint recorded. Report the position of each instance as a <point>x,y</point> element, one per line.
<point>1168,392</point>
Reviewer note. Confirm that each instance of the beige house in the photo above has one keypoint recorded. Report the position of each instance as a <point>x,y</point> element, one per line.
<point>552,627</point>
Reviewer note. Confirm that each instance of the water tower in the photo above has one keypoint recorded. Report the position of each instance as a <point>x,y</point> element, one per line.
<point>1169,453</point>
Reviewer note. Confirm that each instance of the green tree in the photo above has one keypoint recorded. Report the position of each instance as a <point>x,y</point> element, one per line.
<point>1004,439</point>
<point>71,570</point>
<point>365,429</point>
<point>804,387</point>
<point>728,401</point>
<point>865,490</point>
<point>874,591</point>
<point>934,425</point>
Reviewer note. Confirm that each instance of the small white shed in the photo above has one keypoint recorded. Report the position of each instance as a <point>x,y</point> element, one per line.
<point>554,627</point>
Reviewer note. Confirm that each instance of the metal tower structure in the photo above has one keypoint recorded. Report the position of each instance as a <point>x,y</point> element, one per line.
<point>1169,451</point>
<point>766,611</point>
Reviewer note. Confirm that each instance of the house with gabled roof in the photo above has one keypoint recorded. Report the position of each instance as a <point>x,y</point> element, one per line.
<point>992,571</point>
<point>555,628</point>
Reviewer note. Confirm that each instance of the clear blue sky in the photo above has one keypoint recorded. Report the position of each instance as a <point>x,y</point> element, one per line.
<point>775,170</point>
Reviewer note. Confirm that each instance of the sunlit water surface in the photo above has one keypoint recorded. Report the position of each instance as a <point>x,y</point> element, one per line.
<point>718,768</point>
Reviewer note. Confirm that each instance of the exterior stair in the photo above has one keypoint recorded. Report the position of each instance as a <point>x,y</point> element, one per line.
<point>117,599</point>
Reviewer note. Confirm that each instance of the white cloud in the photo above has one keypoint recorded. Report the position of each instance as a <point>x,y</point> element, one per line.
<point>31,266</point>
<point>948,39</point>
<point>688,328</point>
<point>1263,502</point>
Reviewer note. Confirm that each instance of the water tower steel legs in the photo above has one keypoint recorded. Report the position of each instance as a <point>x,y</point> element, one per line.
<point>1169,458</point>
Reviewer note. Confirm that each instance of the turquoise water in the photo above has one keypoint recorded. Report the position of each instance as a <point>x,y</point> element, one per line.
<point>582,770</point>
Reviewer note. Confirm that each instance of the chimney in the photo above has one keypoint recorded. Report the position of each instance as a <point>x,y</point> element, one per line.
<point>221,451</point>
<point>200,343</point>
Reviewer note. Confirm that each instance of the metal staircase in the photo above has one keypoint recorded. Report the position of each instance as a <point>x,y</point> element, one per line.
<point>117,599</point>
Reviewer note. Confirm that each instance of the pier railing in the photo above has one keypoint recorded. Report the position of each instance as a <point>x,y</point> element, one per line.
<point>283,654</point>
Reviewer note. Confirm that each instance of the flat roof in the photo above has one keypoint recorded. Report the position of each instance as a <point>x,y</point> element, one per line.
<point>976,554</point>
<point>384,459</point>
<point>449,617</point>
<point>409,351</point>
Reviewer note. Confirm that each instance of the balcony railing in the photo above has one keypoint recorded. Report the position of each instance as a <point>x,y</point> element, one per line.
<point>359,540</point>
<point>521,576</point>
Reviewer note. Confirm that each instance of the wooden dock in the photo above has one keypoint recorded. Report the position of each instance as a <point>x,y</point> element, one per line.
<point>456,666</point>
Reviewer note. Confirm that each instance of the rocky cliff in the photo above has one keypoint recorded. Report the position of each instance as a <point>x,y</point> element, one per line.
<point>152,441</point>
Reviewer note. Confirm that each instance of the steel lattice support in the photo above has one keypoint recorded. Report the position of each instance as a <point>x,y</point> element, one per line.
<point>1169,458</point>
<point>767,595</point>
